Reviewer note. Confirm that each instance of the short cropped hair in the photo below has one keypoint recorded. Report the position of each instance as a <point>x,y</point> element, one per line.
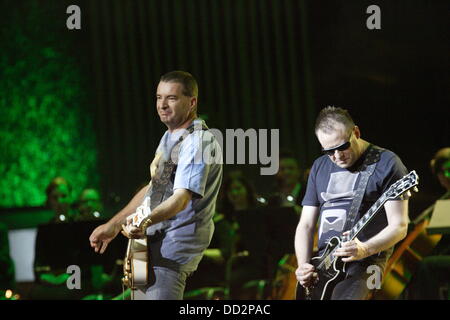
<point>329,116</point>
<point>190,86</point>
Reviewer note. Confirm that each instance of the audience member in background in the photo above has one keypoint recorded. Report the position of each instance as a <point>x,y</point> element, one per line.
<point>432,279</point>
<point>290,187</point>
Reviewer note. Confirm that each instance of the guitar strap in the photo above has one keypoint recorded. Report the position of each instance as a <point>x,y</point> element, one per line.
<point>170,166</point>
<point>366,169</point>
<point>159,181</point>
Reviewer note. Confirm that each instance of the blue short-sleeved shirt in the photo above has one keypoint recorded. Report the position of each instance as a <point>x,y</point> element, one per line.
<point>179,242</point>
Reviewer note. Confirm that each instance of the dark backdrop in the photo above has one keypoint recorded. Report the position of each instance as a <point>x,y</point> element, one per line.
<point>249,57</point>
<point>272,64</point>
<point>394,81</point>
<point>262,64</point>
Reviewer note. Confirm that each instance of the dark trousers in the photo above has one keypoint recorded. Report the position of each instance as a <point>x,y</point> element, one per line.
<point>431,280</point>
<point>354,286</point>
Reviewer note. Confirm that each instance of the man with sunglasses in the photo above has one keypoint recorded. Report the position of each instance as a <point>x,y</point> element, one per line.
<point>332,186</point>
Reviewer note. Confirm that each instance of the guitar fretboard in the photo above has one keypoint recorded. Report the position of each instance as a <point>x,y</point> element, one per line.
<point>366,218</point>
<point>401,186</point>
<point>330,258</point>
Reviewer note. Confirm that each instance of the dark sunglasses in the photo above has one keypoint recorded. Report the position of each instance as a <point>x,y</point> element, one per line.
<point>342,147</point>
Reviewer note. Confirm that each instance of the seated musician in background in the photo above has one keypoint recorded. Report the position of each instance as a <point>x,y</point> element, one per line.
<point>7,275</point>
<point>432,278</point>
<point>226,261</point>
<point>51,262</point>
<point>89,205</point>
<point>59,199</point>
<point>103,285</point>
<point>50,280</point>
<point>290,187</point>
<point>332,186</point>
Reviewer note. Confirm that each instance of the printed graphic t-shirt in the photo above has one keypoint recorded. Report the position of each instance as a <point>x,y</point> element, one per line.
<point>332,189</point>
<point>179,242</point>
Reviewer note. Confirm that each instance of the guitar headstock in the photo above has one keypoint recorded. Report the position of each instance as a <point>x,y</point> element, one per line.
<point>410,181</point>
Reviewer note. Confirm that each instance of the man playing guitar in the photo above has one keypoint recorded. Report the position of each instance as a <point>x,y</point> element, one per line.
<point>332,186</point>
<point>180,200</point>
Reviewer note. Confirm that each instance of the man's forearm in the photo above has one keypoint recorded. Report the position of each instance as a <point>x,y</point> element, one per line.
<point>170,207</point>
<point>303,245</point>
<point>396,230</point>
<point>385,239</point>
<point>130,208</point>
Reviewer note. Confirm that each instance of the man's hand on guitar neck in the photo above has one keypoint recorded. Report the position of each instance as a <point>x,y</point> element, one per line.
<point>353,250</point>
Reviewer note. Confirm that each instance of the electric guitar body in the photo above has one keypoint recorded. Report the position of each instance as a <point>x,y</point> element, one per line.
<point>136,265</point>
<point>323,287</point>
<point>331,269</point>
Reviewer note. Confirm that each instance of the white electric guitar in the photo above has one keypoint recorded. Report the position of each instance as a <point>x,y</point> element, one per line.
<point>136,264</point>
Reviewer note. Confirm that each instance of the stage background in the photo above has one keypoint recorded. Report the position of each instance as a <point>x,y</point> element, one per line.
<point>80,103</point>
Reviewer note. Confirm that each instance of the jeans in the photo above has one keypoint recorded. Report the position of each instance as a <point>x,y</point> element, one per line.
<point>168,285</point>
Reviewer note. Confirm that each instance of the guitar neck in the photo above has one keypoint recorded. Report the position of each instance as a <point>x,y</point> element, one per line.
<point>365,219</point>
<point>409,181</point>
<point>330,258</point>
